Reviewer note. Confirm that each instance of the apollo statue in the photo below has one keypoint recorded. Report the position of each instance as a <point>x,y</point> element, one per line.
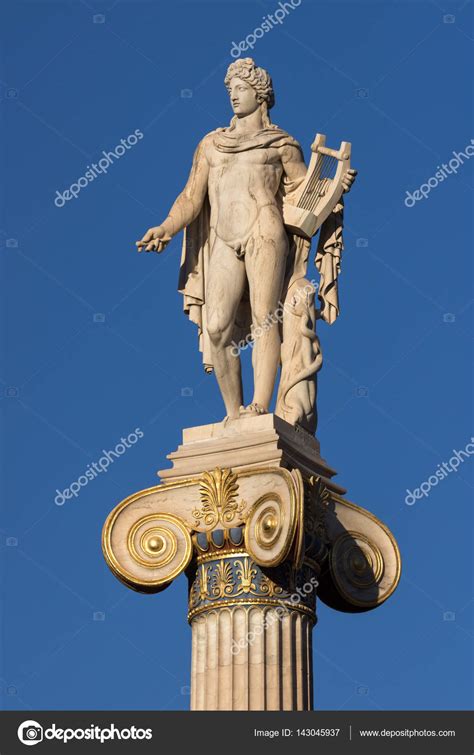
<point>249,210</point>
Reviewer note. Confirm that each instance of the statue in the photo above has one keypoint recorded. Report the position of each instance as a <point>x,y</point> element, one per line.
<point>249,510</point>
<point>239,261</point>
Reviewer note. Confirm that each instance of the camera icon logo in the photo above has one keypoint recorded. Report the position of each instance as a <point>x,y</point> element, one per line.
<point>30,733</point>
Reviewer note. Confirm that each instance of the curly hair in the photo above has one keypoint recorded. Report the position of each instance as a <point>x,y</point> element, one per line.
<point>259,79</point>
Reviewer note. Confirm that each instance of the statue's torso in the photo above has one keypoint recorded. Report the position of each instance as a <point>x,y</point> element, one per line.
<point>241,186</point>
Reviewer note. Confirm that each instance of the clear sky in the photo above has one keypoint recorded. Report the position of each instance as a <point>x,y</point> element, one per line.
<point>96,344</point>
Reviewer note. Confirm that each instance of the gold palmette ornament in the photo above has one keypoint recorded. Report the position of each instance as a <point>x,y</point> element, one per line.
<point>218,491</point>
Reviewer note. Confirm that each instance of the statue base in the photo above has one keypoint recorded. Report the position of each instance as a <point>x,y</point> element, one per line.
<point>253,441</point>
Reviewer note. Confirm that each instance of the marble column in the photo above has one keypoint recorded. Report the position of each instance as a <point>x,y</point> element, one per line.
<point>251,629</point>
<point>249,511</point>
<point>273,672</point>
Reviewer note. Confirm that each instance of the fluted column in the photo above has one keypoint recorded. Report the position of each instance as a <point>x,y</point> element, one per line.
<point>253,541</point>
<point>251,629</point>
<point>272,672</point>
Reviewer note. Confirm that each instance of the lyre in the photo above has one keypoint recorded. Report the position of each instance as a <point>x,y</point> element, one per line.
<point>321,189</point>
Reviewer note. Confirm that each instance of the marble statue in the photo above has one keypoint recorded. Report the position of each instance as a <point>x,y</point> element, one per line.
<point>249,510</point>
<point>240,263</point>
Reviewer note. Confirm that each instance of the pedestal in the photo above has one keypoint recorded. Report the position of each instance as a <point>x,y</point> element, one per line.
<point>250,512</point>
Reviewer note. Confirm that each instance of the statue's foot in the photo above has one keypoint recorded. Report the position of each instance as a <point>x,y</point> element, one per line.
<point>229,417</point>
<point>253,409</point>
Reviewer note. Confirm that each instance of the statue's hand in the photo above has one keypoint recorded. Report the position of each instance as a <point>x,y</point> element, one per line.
<point>348,179</point>
<point>154,240</point>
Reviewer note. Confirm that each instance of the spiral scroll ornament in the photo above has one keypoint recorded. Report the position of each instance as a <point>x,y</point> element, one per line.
<point>158,548</point>
<point>270,529</point>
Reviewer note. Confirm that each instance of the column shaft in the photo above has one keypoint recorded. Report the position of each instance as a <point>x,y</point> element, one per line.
<point>251,658</point>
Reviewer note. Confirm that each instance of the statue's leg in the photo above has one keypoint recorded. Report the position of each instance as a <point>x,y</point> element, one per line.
<point>225,284</point>
<point>265,264</point>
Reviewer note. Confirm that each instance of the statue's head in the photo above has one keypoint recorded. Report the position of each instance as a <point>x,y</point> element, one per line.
<point>250,88</point>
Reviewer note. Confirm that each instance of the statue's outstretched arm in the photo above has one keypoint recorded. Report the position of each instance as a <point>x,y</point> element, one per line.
<point>185,209</point>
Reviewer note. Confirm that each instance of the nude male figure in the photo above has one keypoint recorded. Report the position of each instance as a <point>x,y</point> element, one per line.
<point>240,169</point>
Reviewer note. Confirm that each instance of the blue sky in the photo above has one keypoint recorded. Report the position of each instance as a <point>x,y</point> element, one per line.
<point>95,344</point>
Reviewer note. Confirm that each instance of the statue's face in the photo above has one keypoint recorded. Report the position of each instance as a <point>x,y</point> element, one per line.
<point>242,97</point>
